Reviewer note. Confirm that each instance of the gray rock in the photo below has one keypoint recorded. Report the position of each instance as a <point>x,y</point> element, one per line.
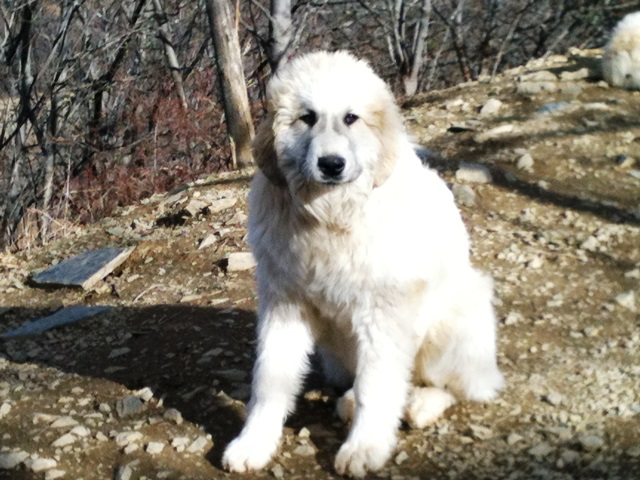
<point>627,300</point>
<point>173,415</point>
<point>64,440</point>
<point>9,460</point>
<point>239,261</point>
<point>153,448</point>
<point>464,195</point>
<point>63,316</point>
<point>494,133</point>
<point>554,398</point>
<point>542,449</point>
<point>198,445</point>
<point>539,76</point>
<point>492,107</point>
<point>83,270</point>
<point>525,162</point>
<point>41,464</point>
<point>5,408</point>
<point>127,438</point>
<point>473,173</point>
<point>124,473</point>
<point>64,422</point>
<point>277,471</point>
<point>573,75</point>
<point>533,88</point>
<point>129,405</point>
<point>591,443</point>
<point>54,474</point>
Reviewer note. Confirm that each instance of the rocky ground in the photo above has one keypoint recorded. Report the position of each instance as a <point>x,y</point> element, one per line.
<point>545,163</point>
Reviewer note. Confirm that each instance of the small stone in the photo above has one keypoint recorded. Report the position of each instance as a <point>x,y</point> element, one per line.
<point>124,473</point>
<point>591,244</point>
<point>525,162</point>
<point>129,405</point>
<point>634,452</point>
<point>480,432</point>
<point>533,88</point>
<point>54,474</point>
<point>104,408</point>
<point>221,204</point>
<point>43,418</point>
<point>239,261</point>
<point>464,195</point>
<point>198,445</point>
<point>573,75</point>
<point>132,447</point>
<point>473,173</point>
<point>179,442</point>
<point>304,433</point>
<point>542,449</point>
<point>173,415</point>
<point>209,240</point>
<point>80,431</point>
<point>64,422</point>
<point>277,471</point>
<point>154,448</point>
<point>304,450</point>
<point>539,76</point>
<point>101,437</point>
<point>401,458</point>
<point>9,460</point>
<point>492,107</point>
<point>118,352</point>
<point>591,443</point>
<point>64,440</point>
<point>494,133</point>
<point>41,464</point>
<point>126,438</point>
<point>145,394</point>
<point>5,408</point>
<point>554,398</point>
<point>514,438</point>
<point>627,300</point>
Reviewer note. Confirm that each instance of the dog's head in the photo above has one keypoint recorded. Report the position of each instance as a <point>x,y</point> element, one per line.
<point>331,121</point>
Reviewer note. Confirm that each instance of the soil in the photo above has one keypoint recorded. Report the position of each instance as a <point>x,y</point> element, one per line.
<point>559,232</point>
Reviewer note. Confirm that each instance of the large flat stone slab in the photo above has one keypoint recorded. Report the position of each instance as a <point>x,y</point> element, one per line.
<point>83,270</point>
<point>64,316</point>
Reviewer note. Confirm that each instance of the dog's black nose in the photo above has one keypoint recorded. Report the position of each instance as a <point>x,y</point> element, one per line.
<point>331,165</point>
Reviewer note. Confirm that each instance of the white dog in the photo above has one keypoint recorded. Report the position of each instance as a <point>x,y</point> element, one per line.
<point>362,253</point>
<point>621,61</point>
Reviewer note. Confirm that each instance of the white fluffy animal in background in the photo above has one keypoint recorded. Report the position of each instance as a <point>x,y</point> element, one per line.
<point>621,62</point>
<point>362,255</point>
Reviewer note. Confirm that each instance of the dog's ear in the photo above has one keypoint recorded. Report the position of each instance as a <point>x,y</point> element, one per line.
<point>387,123</point>
<point>264,152</point>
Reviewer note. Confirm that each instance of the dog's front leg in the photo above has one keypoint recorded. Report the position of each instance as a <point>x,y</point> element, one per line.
<point>382,382</point>
<point>284,344</point>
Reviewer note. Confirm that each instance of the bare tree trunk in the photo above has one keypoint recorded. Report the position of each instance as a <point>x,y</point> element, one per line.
<point>224,33</point>
<point>169,52</point>
<point>14,207</point>
<point>280,32</point>
<point>410,79</point>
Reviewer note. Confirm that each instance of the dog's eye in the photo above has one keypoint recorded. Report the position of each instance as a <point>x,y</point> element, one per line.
<point>310,118</point>
<point>350,118</point>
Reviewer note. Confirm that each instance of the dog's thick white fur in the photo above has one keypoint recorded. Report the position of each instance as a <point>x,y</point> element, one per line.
<point>621,61</point>
<point>361,253</point>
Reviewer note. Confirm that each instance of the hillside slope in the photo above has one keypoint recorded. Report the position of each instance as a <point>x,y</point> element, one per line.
<point>545,164</point>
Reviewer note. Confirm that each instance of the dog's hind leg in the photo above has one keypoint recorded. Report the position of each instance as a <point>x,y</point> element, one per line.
<point>284,345</point>
<point>460,356</point>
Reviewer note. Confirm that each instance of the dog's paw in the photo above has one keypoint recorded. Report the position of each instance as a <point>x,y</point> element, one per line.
<point>425,405</point>
<point>248,453</point>
<point>356,458</point>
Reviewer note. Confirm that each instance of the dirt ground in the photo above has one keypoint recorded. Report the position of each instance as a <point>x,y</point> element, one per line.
<point>155,387</point>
